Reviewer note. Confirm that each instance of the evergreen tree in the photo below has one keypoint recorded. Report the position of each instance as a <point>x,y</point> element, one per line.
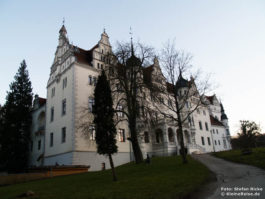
<point>16,122</point>
<point>103,118</point>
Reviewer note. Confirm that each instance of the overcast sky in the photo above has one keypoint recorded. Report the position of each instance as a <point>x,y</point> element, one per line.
<point>226,39</point>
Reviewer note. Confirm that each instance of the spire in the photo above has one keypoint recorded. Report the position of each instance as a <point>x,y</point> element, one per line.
<point>63,29</point>
<point>132,50</point>
<point>223,115</point>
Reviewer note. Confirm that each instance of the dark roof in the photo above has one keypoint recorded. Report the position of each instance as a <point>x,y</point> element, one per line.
<point>210,98</point>
<point>147,72</point>
<point>223,115</point>
<point>215,121</point>
<point>182,82</point>
<point>42,101</point>
<point>84,56</point>
<point>63,29</point>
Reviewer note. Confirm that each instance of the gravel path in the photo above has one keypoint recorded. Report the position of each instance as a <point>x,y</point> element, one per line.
<point>233,180</point>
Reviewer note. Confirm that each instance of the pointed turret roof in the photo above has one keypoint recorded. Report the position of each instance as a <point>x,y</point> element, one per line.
<point>63,30</point>
<point>181,82</point>
<point>223,115</point>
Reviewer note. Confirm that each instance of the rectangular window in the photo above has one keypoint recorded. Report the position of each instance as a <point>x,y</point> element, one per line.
<point>64,107</point>
<point>215,142</point>
<point>91,103</point>
<point>92,133</point>
<point>98,66</point>
<point>219,142</point>
<point>95,81</point>
<point>121,133</point>
<point>213,131</point>
<point>200,124</point>
<point>51,139</point>
<point>120,108</point>
<point>216,131</point>
<point>146,137</point>
<point>224,143</point>
<point>202,140</point>
<point>90,82</point>
<point>64,83</point>
<point>206,126</point>
<point>52,114</point>
<point>63,134</point>
<point>39,144</point>
<point>53,91</point>
<point>209,141</point>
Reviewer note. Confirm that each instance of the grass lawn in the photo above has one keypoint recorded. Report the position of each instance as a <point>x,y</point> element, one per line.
<point>164,178</point>
<point>257,158</point>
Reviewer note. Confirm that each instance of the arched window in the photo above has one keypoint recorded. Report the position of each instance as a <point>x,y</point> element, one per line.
<point>146,137</point>
<point>170,135</point>
<point>159,136</point>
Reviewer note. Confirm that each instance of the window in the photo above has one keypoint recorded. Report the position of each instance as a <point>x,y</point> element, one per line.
<point>51,139</point>
<point>202,140</point>
<point>146,137</point>
<point>52,113</point>
<point>98,65</point>
<point>170,135</point>
<point>91,103</point>
<point>111,71</point>
<point>213,131</point>
<point>204,113</point>
<point>215,142</point>
<point>101,66</point>
<point>118,87</point>
<point>206,126</point>
<point>39,144</point>
<point>219,142</point>
<point>159,136</point>
<point>53,91</point>
<point>90,80</point>
<point>200,124</point>
<point>209,141</point>
<point>121,133</point>
<point>216,131</point>
<point>64,83</point>
<point>120,108</point>
<point>224,143</point>
<point>64,107</point>
<point>92,133</point>
<point>95,81</point>
<point>63,134</point>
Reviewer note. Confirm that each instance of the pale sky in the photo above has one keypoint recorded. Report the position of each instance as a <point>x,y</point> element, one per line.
<point>226,39</point>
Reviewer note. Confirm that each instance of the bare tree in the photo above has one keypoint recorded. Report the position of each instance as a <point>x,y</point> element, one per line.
<point>178,98</point>
<point>126,77</point>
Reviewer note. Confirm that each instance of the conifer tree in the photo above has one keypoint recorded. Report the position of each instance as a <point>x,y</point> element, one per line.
<point>16,122</point>
<point>103,118</point>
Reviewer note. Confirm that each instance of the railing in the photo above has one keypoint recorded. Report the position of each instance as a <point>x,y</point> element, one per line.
<point>196,146</point>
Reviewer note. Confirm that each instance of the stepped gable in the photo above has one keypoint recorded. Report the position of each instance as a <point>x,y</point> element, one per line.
<point>215,121</point>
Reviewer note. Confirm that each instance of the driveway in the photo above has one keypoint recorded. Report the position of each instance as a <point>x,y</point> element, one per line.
<point>233,180</point>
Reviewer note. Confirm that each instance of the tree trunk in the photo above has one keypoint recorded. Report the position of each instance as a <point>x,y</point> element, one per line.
<point>135,144</point>
<point>112,168</point>
<point>182,147</point>
<point>180,131</point>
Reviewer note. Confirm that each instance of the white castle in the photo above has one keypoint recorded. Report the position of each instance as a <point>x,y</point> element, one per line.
<point>58,140</point>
